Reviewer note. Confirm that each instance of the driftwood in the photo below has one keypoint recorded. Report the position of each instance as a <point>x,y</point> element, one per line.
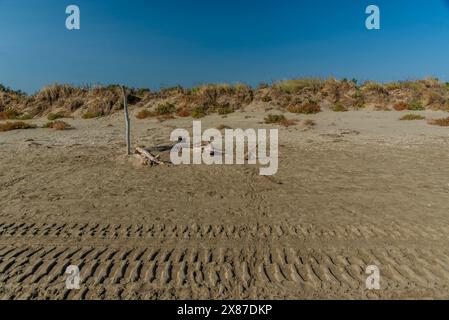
<point>146,155</point>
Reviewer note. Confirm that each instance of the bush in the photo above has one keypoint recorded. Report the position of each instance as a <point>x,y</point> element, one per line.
<point>198,112</point>
<point>55,116</point>
<point>25,116</point>
<point>266,99</point>
<point>307,108</point>
<point>9,114</point>
<point>225,110</point>
<point>440,122</point>
<point>274,118</point>
<point>91,115</point>
<point>183,113</point>
<point>309,123</point>
<point>58,125</point>
<point>164,109</point>
<point>410,117</point>
<point>416,106</point>
<point>339,108</point>
<point>143,114</point>
<point>288,122</point>
<point>401,106</point>
<point>8,126</point>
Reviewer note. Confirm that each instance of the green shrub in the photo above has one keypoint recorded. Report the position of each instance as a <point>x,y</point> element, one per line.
<point>164,109</point>
<point>274,118</point>
<point>25,116</point>
<point>416,106</point>
<point>225,110</point>
<point>91,115</point>
<point>307,108</point>
<point>339,108</point>
<point>198,112</point>
<point>411,117</point>
<point>55,116</point>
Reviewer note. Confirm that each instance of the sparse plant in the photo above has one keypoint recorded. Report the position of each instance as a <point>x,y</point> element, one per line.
<point>339,108</point>
<point>183,113</point>
<point>198,112</point>
<point>17,125</point>
<point>9,114</point>
<point>165,117</point>
<point>225,110</point>
<point>91,115</point>
<point>401,106</point>
<point>306,108</point>
<point>266,99</point>
<point>309,123</point>
<point>223,127</point>
<point>411,117</point>
<point>55,116</point>
<point>288,122</point>
<point>25,116</point>
<point>164,109</point>
<point>143,114</point>
<point>58,125</point>
<point>444,122</point>
<point>274,118</point>
<point>416,106</point>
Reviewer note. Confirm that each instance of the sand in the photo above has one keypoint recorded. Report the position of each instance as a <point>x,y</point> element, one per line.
<point>360,188</point>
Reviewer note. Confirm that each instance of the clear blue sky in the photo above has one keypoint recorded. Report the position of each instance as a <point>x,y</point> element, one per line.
<point>144,43</point>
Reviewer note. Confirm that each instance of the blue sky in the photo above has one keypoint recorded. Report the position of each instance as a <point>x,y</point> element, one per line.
<point>145,43</point>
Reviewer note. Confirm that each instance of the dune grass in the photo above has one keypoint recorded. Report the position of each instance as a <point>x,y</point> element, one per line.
<point>17,125</point>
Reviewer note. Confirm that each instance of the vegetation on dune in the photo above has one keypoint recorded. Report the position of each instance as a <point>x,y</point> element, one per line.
<point>444,122</point>
<point>306,108</point>
<point>17,125</point>
<point>305,96</point>
<point>339,108</point>
<point>91,115</point>
<point>58,125</point>
<point>55,116</point>
<point>411,117</point>
<point>274,118</point>
<point>198,112</point>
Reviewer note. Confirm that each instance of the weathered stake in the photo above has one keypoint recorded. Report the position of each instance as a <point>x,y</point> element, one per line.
<point>128,125</point>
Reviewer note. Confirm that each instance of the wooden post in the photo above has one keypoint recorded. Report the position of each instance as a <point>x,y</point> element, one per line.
<point>128,124</point>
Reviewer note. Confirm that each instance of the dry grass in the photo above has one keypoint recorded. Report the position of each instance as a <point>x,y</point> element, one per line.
<point>9,114</point>
<point>411,117</point>
<point>274,118</point>
<point>165,117</point>
<point>58,125</point>
<point>55,116</point>
<point>444,122</point>
<point>296,85</point>
<point>339,108</point>
<point>309,123</point>
<point>183,113</point>
<point>225,110</point>
<point>144,114</point>
<point>288,122</point>
<point>306,108</point>
<point>198,112</point>
<point>223,127</point>
<point>91,115</point>
<point>401,106</point>
<point>17,125</point>
<point>164,109</point>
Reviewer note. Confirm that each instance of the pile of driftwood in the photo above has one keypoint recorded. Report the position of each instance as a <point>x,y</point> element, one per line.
<point>147,158</point>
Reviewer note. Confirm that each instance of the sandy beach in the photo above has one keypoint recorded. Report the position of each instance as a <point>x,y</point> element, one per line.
<point>359,188</point>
